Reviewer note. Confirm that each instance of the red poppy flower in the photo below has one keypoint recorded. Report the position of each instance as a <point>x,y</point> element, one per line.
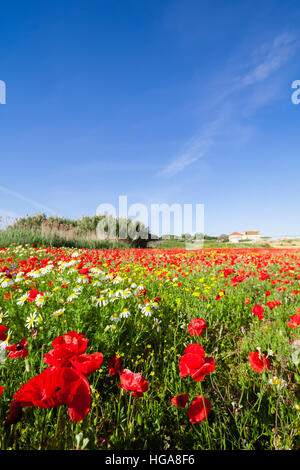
<point>258,310</point>
<point>1,390</point>
<point>180,400</point>
<point>33,294</point>
<point>114,364</point>
<point>197,326</point>
<point>86,364</point>
<point>65,347</point>
<point>18,350</point>
<point>258,361</point>
<point>84,271</point>
<point>247,301</point>
<point>195,364</point>
<point>294,321</point>
<point>133,382</point>
<point>55,386</point>
<point>3,330</point>
<point>218,297</point>
<point>142,292</point>
<point>199,409</point>
<point>75,341</point>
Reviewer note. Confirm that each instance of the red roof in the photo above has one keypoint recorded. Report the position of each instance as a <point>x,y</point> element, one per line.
<point>235,233</point>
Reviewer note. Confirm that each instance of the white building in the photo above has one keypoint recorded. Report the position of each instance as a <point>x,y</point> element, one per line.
<point>235,237</point>
<point>252,235</point>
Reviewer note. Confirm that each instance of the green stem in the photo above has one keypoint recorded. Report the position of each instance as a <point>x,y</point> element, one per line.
<point>131,414</point>
<point>128,409</point>
<point>57,425</point>
<point>206,422</point>
<point>43,429</point>
<point>119,409</point>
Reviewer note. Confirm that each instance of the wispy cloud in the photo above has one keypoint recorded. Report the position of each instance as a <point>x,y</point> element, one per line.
<point>19,196</point>
<point>195,148</point>
<point>262,63</point>
<point>270,58</point>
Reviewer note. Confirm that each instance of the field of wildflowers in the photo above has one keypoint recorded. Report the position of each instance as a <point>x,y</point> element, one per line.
<point>149,349</point>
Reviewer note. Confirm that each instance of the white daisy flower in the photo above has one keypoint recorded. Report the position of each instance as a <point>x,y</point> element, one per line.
<point>122,294</point>
<point>156,324</point>
<point>31,321</point>
<point>58,313</point>
<point>100,301</point>
<point>108,327</point>
<point>154,304</point>
<point>6,283</point>
<point>19,276</point>
<point>280,383</point>
<point>35,274</point>
<point>3,315</point>
<point>22,299</point>
<point>77,289</point>
<point>115,318</point>
<point>40,300</point>
<point>96,271</point>
<point>72,297</point>
<point>146,310</point>
<point>83,280</point>
<point>125,314</point>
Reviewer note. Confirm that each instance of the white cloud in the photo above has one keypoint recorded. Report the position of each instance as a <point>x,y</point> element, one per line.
<point>271,57</point>
<point>19,196</point>
<point>195,148</point>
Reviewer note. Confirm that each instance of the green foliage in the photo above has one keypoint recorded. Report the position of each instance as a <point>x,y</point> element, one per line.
<point>19,236</point>
<point>87,232</point>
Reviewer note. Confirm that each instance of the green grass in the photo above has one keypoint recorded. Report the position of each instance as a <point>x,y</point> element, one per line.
<point>19,236</point>
<point>182,244</point>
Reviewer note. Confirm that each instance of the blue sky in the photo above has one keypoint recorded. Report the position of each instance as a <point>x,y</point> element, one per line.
<point>169,101</point>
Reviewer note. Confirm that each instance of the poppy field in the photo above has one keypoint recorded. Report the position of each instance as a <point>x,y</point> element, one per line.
<point>149,349</point>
